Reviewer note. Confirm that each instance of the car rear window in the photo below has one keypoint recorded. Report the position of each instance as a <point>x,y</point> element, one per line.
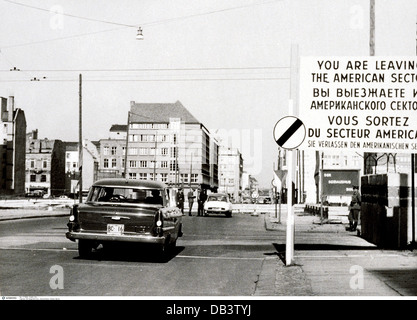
<point>217,198</point>
<point>126,195</point>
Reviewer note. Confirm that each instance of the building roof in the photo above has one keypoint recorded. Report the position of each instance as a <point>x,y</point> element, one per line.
<point>71,146</point>
<point>159,113</point>
<point>121,182</point>
<point>118,127</point>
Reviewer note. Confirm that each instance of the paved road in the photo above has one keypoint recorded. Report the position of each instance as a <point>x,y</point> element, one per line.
<point>217,256</point>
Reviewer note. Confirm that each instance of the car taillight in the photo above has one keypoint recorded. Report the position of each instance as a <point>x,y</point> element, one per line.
<point>159,222</point>
<point>73,219</point>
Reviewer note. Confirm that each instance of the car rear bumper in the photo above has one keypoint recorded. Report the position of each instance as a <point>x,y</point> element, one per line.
<point>72,235</point>
<point>217,210</point>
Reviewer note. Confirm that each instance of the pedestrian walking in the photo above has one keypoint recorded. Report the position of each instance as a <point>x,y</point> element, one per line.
<point>354,209</point>
<point>180,200</point>
<point>190,197</point>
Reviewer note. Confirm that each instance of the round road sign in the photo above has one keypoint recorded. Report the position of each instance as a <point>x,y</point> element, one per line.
<point>289,132</point>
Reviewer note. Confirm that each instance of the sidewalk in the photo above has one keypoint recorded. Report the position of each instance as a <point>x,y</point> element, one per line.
<point>25,209</point>
<point>330,261</point>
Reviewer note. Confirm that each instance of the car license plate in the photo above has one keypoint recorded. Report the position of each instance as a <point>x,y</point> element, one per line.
<point>115,229</point>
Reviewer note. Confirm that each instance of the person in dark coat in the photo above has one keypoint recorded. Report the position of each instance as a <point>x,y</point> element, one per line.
<point>354,209</point>
<point>190,197</point>
<point>180,200</point>
<point>202,197</point>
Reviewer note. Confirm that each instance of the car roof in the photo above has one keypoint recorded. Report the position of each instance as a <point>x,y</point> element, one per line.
<point>133,183</point>
<point>218,194</point>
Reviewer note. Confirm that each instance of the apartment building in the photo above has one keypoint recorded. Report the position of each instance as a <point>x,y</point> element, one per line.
<point>45,165</point>
<point>231,171</point>
<point>12,148</point>
<point>167,143</point>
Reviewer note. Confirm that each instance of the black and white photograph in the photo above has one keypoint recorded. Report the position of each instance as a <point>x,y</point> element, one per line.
<point>210,155</point>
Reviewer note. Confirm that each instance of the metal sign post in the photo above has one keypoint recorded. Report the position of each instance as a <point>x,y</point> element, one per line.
<point>289,251</point>
<point>289,133</point>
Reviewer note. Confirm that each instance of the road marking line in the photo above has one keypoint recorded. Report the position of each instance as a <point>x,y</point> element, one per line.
<point>217,258</point>
<point>38,249</point>
<point>178,256</point>
<point>352,256</point>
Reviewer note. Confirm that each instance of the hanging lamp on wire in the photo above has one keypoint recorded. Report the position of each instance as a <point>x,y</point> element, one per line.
<point>139,36</point>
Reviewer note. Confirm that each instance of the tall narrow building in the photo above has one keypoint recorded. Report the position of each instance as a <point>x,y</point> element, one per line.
<point>12,148</point>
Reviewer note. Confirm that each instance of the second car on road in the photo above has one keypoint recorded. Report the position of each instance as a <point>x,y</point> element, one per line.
<point>218,203</point>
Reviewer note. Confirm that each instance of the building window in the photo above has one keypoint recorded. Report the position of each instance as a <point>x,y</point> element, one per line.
<point>133,151</point>
<point>143,151</point>
<point>32,163</point>
<point>33,178</point>
<point>132,175</point>
<point>194,178</point>
<point>143,164</point>
<point>113,151</point>
<point>43,178</point>
<point>113,163</point>
<point>173,166</point>
<point>164,164</point>
<point>151,177</point>
<point>143,176</point>
<point>106,163</point>
<point>133,164</point>
<point>123,151</point>
<point>133,138</point>
<point>106,151</point>
<point>123,163</point>
<point>164,151</point>
<point>184,177</point>
<point>164,177</point>
<point>173,152</point>
<point>44,164</point>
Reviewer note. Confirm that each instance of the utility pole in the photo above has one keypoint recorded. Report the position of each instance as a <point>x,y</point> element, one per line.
<point>372,28</point>
<point>191,168</point>
<point>413,201</point>
<point>367,157</point>
<point>154,156</point>
<point>80,144</point>
<point>127,145</point>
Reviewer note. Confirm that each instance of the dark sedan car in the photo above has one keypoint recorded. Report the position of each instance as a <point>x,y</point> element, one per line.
<point>122,210</point>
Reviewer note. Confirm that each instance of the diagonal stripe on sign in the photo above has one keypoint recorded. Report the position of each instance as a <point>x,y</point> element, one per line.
<point>290,131</point>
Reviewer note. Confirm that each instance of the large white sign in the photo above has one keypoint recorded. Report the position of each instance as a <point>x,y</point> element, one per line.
<point>366,104</point>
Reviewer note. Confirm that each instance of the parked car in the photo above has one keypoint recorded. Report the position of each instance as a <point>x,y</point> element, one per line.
<point>122,210</point>
<point>35,194</point>
<point>218,203</point>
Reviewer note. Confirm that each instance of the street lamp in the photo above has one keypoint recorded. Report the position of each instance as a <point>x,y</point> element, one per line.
<point>139,36</point>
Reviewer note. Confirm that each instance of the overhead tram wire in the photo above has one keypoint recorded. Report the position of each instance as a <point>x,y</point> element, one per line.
<point>71,15</point>
<point>149,23</point>
<point>157,69</point>
<point>146,24</point>
<point>153,80</point>
<point>226,74</point>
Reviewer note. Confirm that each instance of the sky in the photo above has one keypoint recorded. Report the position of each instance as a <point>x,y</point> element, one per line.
<point>228,62</point>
